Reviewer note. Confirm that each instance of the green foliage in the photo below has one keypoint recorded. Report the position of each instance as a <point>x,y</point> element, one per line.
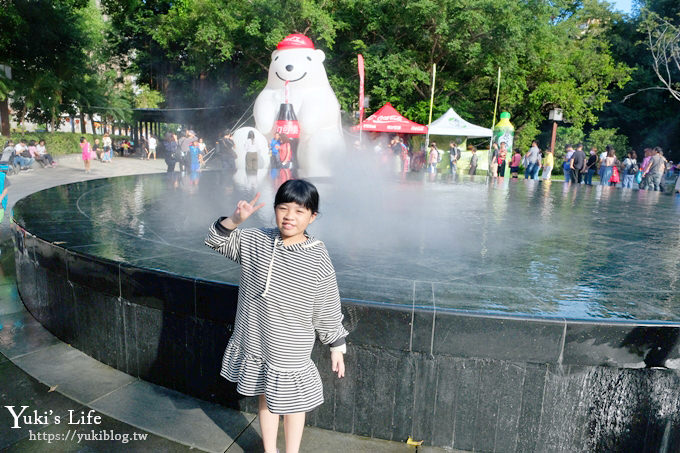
<point>567,136</point>
<point>600,138</point>
<point>147,98</point>
<point>525,135</point>
<point>212,52</point>
<point>58,143</point>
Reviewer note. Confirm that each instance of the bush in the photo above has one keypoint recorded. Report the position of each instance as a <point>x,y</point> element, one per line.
<point>58,143</point>
<point>603,137</point>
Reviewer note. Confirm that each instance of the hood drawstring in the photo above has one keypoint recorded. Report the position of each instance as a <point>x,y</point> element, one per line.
<point>271,263</point>
<point>271,268</point>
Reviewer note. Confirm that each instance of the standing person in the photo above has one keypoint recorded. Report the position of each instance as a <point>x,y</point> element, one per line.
<point>566,165</point>
<point>655,169</point>
<point>502,155</point>
<point>630,169</point>
<point>533,160</point>
<point>493,164</point>
<point>280,311</point>
<point>4,186</point>
<point>643,167</point>
<point>591,165</point>
<point>473,161</point>
<point>107,146</point>
<point>274,145</point>
<point>548,164</point>
<point>153,143</point>
<point>514,164</point>
<point>41,149</point>
<point>227,154</point>
<point>285,153</point>
<point>124,147</point>
<point>577,164</point>
<point>433,158</point>
<point>251,153</point>
<point>195,157</point>
<point>171,152</point>
<point>601,158</point>
<point>607,166</point>
<point>405,157</point>
<point>86,155</point>
<point>184,144</point>
<point>454,156</point>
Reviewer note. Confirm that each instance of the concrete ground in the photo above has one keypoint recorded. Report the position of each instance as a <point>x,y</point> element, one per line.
<point>64,389</point>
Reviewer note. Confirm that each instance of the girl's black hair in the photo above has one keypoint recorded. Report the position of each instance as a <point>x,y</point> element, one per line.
<point>298,191</point>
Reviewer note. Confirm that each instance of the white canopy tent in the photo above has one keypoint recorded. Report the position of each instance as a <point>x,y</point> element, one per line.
<point>451,124</point>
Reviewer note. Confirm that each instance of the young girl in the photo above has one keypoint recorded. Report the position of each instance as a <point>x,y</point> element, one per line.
<point>85,148</point>
<point>287,292</point>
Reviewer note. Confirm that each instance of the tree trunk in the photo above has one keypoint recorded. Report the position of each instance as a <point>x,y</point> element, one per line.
<point>82,123</point>
<point>4,118</point>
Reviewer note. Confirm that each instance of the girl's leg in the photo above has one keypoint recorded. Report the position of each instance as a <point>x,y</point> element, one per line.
<point>269,423</point>
<point>293,425</point>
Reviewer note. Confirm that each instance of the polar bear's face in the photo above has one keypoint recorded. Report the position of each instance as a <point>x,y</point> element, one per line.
<point>297,66</point>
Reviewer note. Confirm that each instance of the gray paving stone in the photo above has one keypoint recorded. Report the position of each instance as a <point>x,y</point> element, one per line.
<point>315,440</point>
<point>175,416</point>
<point>75,374</point>
<point>22,334</point>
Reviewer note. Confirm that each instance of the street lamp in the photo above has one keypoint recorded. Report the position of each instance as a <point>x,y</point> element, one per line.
<point>555,115</point>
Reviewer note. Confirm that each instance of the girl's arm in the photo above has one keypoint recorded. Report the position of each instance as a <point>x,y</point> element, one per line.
<point>327,321</point>
<point>327,315</point>
<point>223,236</point>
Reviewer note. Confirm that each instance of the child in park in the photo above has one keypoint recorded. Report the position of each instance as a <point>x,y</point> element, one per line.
<point>86,153</point>
<point>287,293</point>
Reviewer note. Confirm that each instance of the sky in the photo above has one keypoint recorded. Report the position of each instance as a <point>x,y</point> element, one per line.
<point>625,6</point>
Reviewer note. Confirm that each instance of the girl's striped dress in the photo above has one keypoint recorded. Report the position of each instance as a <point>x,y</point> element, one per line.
<point>286,295</point>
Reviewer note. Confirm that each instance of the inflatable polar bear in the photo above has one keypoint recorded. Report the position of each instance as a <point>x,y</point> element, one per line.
<point>317,109</point>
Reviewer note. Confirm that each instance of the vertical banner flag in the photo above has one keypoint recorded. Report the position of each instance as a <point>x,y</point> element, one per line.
<point>360,64</point>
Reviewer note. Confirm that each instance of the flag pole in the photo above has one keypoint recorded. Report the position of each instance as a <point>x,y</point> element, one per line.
<point>434,75</point>
<point>493,121</point>
<point>495,106</point>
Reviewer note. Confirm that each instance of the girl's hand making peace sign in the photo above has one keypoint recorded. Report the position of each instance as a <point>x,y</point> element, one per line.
<point>243,210</point>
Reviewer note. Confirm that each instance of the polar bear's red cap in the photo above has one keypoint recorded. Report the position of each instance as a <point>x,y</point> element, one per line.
<point>295,41</point>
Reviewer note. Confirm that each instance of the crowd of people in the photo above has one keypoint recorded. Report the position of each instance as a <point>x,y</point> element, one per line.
<point>22,155</point>
<point>650,173</point>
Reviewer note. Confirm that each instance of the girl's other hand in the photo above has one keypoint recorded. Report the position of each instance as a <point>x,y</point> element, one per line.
<point>338,363</point>
<point>245,209</point>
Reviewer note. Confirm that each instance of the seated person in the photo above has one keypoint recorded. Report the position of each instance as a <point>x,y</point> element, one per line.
<point>8,157</point>
<point>25,159</point>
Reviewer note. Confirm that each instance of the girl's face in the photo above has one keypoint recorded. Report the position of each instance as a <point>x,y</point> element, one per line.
<point>292,220</point>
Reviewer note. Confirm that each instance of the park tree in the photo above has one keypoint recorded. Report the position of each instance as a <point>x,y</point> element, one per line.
<point>56,50</point>
<point>648,117</point>
<point>552,53</point>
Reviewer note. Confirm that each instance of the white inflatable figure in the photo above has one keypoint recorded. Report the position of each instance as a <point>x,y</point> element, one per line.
<point>241,177</point>
<point>296,62</point>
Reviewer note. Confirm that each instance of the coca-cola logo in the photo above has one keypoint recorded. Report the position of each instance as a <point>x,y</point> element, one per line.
<point>294,40</point>
<point>389,119</point>
<point>290,128</point>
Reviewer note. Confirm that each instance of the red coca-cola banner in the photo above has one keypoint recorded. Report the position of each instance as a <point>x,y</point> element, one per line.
<point>290,128</point>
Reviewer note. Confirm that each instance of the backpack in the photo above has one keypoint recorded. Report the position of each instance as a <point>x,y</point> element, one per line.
<point>632,169</point>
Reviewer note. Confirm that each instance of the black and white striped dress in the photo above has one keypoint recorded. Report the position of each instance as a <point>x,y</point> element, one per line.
<point>286,295</point>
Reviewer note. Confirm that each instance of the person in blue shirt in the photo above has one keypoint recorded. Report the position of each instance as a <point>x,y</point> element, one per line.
<point>274,145</point>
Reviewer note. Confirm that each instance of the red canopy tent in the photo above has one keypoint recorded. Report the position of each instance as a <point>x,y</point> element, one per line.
<point>387,119</point>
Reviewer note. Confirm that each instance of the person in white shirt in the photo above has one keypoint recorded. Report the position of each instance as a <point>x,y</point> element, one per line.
<point>153,143</point>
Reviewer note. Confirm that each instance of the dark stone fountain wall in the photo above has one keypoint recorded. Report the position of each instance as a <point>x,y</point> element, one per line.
<point>461,380</point>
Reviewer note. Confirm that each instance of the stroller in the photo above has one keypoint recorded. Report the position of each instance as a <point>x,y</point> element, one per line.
<point>8,163</point>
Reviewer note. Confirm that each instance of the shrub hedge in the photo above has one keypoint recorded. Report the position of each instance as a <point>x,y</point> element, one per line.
<point>57,143</point>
